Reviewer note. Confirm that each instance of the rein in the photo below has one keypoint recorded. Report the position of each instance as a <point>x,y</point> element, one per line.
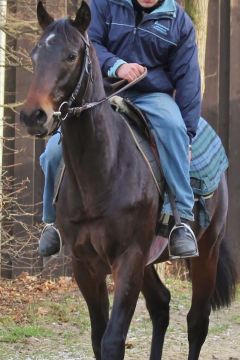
<point>66,108</point>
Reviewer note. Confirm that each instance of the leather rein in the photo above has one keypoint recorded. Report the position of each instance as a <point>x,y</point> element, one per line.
<point>65,109</point>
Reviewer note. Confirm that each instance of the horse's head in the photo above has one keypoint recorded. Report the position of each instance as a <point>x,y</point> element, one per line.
<point>57,61</point>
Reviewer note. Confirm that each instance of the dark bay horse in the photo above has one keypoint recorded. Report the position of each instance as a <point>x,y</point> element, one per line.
<point>108,203</point>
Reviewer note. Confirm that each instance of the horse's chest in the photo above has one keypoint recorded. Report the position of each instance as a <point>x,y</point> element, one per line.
<point>91,238</point>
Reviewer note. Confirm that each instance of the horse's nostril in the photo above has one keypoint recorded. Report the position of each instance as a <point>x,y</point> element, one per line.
<point>40,116</point>
<point>39,113</point>
<point>36,118</point>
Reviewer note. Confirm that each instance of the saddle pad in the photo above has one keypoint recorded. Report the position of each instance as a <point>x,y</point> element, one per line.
<point>209,160</point>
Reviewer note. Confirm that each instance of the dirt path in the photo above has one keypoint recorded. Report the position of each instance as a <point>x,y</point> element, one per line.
<point>49,321</point>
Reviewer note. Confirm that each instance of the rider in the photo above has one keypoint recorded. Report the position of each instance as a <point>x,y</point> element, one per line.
<point>129,35</point>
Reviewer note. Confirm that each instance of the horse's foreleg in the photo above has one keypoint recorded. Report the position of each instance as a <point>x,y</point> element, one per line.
<point>204,271</point>
<point>94,290</point>
<point>157,300</point>
<point>128,274</point>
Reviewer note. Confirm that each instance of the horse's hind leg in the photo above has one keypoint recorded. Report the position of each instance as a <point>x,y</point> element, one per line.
<point>203,272</point>
<point>94,290</point>
<point>157,301</point>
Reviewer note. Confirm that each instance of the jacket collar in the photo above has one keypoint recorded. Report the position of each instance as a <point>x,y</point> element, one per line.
<point>168,7</point>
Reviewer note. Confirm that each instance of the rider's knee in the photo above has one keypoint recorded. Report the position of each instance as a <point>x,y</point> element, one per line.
<point>168,114</point>
<point>172,121</point>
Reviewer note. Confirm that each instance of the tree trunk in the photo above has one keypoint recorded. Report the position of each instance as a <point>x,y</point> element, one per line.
<point>198,11</point>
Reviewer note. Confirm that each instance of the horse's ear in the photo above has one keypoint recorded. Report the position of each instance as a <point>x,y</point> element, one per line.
<point>44,19</point>
<point>83,17</point>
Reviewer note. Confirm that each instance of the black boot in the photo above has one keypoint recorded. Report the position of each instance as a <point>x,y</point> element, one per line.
<point>50,241</point>
<point>182,241</point>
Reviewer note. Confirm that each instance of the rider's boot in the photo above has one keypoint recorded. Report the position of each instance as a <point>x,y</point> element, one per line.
<point>182,241</point>
<point>50,242</point>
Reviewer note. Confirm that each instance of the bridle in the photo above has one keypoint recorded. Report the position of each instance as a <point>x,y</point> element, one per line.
<point>66,110</point>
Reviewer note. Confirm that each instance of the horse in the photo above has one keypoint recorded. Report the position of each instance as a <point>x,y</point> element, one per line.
<point>108,203</point>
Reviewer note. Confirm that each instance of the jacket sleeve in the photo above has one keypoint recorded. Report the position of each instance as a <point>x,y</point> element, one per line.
<point>185,74</point>
<point>98,33</point>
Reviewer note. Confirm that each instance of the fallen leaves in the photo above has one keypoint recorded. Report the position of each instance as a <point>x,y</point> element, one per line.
<point>26,289</point>
<point>42,311</point>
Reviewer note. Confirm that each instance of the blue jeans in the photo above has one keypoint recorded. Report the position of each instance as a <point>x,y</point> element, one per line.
<point>50,161</point>
<point>172,140</point>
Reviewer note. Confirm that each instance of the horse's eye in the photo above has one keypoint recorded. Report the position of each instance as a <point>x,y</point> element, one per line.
<point>71,57</point>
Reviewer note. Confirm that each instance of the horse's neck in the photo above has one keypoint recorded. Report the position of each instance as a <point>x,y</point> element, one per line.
<point>90,141</point>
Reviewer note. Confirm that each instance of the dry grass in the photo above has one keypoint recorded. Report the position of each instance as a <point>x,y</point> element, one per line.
<point>54,320</point>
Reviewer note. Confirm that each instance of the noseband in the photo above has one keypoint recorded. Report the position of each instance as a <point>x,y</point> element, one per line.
<point>65,110</point>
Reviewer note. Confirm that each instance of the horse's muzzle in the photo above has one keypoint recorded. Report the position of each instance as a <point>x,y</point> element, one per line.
<point>34,121</point>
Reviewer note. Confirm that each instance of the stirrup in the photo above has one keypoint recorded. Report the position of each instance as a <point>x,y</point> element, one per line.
<point>195,254</point>
<point>59,235</point>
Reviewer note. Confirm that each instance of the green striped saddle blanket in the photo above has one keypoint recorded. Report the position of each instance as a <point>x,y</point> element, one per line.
<point>209,160</point>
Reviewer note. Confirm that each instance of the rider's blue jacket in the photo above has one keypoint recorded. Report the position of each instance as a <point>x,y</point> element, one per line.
<point>164,41</point>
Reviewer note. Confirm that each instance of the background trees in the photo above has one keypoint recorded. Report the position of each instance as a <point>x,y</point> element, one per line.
<point>221,106</point>
<point>198,11</point>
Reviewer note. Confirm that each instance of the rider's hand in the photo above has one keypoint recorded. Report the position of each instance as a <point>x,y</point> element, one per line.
<point>130,71</point>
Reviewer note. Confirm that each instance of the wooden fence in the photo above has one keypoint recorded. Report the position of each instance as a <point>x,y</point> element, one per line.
<point>221,107</point>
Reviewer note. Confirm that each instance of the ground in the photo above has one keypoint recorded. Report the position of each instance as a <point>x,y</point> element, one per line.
<point>48,320</point>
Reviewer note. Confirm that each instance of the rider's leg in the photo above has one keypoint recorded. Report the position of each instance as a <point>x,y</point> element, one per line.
<point>50,160</point>
<point>173,145</point>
